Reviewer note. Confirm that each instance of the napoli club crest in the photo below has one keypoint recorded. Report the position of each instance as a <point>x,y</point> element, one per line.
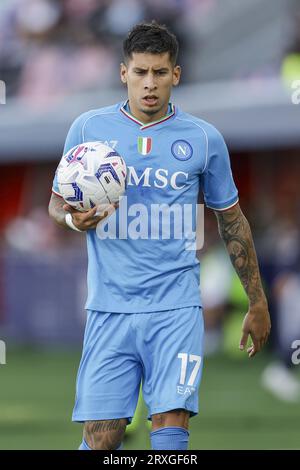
<point>182,150</point>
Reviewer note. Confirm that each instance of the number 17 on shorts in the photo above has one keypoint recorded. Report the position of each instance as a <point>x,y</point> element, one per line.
<point>188,378</point>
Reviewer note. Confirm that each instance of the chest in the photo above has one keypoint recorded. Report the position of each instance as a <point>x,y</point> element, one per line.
<point>156,157</point>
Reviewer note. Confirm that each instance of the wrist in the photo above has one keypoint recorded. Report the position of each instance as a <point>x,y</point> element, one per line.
<point>258,303</point>
<point>70,223</point>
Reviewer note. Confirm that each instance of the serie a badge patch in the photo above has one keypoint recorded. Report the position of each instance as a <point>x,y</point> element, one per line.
<point>144,145</point>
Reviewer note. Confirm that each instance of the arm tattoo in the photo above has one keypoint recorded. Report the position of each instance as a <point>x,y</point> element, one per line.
<point>56,210</point>
<point>236,234</point>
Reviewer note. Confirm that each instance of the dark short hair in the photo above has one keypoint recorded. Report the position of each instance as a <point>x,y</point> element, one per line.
<point>151,37</point>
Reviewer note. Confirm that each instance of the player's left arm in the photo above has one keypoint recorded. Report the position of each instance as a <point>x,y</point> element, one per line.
<point>235,231</point>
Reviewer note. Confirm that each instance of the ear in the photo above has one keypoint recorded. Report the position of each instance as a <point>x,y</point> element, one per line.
<point>123,73</point>
<point>176,75</point>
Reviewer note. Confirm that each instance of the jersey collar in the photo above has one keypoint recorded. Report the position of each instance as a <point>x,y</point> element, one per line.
<point>125,110</point>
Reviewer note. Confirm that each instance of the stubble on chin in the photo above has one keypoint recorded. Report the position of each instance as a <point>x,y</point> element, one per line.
<point>151,111</point>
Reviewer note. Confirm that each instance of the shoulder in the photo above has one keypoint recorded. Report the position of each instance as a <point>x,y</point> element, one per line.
<point>83,119</point>
<point>210,131</point>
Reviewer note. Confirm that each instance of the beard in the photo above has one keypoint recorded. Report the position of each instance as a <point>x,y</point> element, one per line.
<point>151,112</point>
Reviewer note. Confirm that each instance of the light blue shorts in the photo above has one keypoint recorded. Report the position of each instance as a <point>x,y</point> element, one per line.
<point>161,350</point>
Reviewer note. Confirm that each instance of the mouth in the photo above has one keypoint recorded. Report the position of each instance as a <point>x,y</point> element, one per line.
<point>150,100</point>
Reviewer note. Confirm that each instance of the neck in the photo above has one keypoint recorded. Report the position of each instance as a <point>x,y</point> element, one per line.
<point>146,118</point>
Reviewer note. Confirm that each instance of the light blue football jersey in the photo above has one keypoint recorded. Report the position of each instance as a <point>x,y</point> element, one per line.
<point>138,260</point>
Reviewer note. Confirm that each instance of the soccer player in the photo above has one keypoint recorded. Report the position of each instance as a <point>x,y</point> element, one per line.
<point>144,316</point>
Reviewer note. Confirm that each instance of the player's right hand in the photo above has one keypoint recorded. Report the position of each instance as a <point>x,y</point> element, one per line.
<point>89,220</point>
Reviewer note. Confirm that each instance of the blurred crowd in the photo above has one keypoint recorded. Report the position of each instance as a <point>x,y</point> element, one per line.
<point>290,69</point>
<point>52,48</point>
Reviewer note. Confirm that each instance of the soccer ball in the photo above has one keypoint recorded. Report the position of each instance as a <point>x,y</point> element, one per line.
<point>91,174</point>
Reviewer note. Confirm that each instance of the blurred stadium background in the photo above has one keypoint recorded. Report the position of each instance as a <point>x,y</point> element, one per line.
<point>60,58</point>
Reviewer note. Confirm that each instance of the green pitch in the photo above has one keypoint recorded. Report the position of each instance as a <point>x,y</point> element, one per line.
<point>37,392</point>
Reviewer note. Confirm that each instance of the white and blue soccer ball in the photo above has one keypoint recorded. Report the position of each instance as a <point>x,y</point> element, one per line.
<point>91,174</point>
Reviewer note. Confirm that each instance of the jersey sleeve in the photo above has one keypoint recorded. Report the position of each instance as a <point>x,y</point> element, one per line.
<point>218,186</point>
<point>74,137</point>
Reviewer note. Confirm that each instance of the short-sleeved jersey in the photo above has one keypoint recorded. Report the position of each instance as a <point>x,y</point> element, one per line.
<point>136,266</point>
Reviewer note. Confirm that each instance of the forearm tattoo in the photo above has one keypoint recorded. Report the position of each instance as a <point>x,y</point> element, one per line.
<point>56,210</point>
<point>236,234</point>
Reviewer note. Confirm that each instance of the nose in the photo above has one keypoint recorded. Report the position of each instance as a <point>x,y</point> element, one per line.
<point>149,83</point>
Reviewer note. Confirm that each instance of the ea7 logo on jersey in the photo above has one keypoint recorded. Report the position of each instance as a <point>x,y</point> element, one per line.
<point>159,178</point>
